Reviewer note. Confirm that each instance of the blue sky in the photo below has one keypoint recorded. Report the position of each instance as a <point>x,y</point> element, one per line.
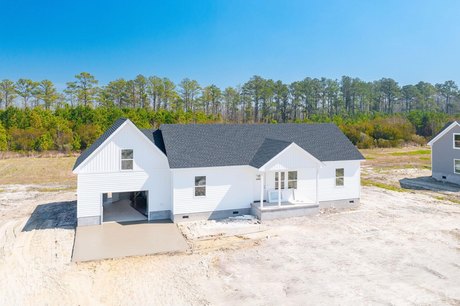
<point>225,42</point>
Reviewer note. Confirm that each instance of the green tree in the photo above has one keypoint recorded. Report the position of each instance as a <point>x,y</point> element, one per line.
<point>85,88</point>
<point>7,92</point>
<point>26,89</point>
<point>189,91</point>
<point>47,93</point>
<point>3,138</point>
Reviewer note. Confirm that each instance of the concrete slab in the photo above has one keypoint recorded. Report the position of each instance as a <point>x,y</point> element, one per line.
<point>115,240</point>
<point>121,211</point>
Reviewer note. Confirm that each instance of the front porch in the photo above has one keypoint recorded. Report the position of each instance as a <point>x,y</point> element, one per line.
<point>270,211</point>
<point>287,185</point>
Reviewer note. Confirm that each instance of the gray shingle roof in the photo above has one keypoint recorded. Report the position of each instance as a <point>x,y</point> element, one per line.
<point>155,137</point>
<point>203,145</point>
<point>85,154</point>
<point>267,150</point>
<point>213,145</point>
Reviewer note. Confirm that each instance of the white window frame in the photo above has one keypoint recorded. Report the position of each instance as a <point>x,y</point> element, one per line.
<point>337,177</point>
<point>195,186</point>
<point>281,180</point>
<point>293,180</point>
<point>453,141</point>
<point>122,159</point>
<point>455,160</point>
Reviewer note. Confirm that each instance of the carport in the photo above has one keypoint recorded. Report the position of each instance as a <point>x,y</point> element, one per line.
<point>124,206</point>
<point>114,240</point>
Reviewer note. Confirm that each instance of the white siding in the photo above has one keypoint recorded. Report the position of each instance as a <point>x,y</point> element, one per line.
<point>108,158</point>
<point>293,157</point>
<point>102,173</point>
<point>236,187</point>
<point>352,187</point>
<point>226,188</point>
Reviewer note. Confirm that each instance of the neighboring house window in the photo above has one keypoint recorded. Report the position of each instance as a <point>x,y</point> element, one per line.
<point>292,179</point>
<point>457,141</point>
<point>339,177</point>
<point>200,186</point>
<point>127,157</point>
<point>277,180</point>
<point>457,166</point>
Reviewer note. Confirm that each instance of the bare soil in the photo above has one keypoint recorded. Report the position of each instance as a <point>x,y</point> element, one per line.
<point>397,247</point>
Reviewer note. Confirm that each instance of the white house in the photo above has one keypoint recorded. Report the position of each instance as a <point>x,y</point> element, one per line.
<point>183,172</point>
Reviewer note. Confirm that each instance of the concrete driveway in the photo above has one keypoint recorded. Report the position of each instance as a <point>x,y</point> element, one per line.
<point>114,240</point>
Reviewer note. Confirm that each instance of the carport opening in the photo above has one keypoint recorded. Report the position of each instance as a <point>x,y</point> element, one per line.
<point>125,206</point>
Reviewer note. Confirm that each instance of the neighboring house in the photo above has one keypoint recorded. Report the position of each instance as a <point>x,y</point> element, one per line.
<point>197,171</point>
<point>445,154</point>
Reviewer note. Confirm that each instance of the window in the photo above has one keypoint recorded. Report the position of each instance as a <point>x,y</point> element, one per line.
<point>457,166</point>
<point>339,177</point>
<point>457,141</point>
<point>292,179</point>
<point>200,186</point>
<point>277,181</point>
<point>127,157</point>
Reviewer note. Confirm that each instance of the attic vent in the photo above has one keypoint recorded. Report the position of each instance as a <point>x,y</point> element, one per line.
<point>184,217</point>
<point>235,212</point>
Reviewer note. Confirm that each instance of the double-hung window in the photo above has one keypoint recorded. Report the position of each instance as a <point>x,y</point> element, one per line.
<point>456,141</point>
<point>127,159</point>
<point>339,177</point>
<point>200,186</point>
<point>292,179</point>
<point>457,166</point>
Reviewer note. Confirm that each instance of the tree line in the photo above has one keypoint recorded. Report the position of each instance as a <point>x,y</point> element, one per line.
<point>34,115</point>
<point>257,100</point>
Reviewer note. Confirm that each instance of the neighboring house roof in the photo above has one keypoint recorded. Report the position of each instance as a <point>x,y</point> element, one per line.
<point>214,145</point>
<point>444,130</point>
<point>85,154</point>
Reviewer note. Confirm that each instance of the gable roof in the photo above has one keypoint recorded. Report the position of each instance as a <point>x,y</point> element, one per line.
<point>214,145</point>
<point>444,130</point>
<point>267,150</point>
<point>93,147</point>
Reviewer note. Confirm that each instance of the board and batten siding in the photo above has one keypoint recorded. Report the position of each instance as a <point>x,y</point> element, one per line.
<point>102,173</point>
<point>226,188</point>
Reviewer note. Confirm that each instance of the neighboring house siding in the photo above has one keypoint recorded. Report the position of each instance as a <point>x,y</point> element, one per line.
<point>443,155</point>
<point>226,188</point>
<point>101,173</point>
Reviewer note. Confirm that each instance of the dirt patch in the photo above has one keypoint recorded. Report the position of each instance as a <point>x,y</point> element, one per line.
<point>395,248</point>
<point>391,243</point>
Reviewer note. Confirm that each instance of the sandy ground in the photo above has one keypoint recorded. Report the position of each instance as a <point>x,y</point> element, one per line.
<point>395,248</point>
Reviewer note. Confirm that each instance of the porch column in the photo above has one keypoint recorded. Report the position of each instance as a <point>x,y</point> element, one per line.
<point>317,185</point>
<point>279,188</point>
<point>262,190</point>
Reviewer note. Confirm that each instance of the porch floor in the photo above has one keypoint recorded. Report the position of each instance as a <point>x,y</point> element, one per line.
<point>284,205</point>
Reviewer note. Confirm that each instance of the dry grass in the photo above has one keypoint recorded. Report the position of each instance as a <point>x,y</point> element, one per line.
<point>43,170</point>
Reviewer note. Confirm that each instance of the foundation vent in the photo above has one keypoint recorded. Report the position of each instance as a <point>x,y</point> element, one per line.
<point>352,201</point>
<point>184,217</point>
<point>236,212</point>
<point>444,177</point>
